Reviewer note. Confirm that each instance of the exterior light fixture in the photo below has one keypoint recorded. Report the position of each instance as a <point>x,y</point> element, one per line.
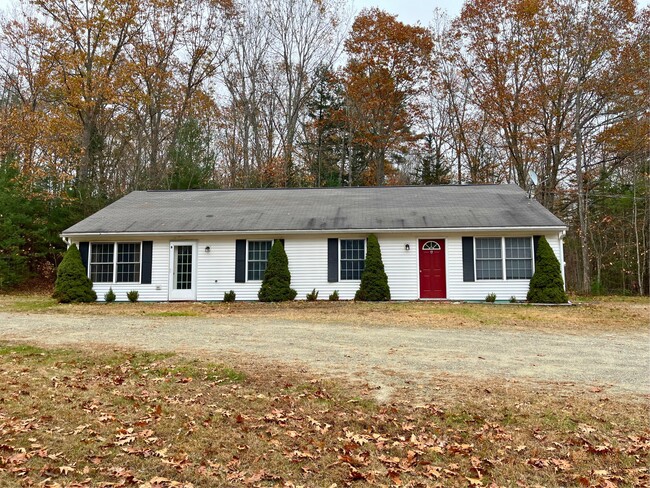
<point>407,247</point>
<point>207,248</point>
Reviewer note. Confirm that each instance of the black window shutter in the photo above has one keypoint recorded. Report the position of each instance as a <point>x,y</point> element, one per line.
<point>83,249</point>
<point>240,261</point>
<point>147,257</point>
<point>468,259</point>
<point>332,260</point>
<point>535,245</point>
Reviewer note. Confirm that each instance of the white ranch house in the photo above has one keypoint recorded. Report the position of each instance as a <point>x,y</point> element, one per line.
<point>437,242</point>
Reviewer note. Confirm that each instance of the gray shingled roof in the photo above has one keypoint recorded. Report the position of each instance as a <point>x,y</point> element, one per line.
<point>324,209</point>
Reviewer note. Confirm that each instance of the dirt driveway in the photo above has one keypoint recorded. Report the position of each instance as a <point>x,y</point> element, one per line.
<point>387,357</point>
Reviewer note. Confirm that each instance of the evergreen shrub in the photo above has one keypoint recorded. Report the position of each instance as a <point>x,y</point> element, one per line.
<point>546,285</point>
<point>276,286</point>
<point>374,282</point>
<point>109,296</point>
<point>72,284</point>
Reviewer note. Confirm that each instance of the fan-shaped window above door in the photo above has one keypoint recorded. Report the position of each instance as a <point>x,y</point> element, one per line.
<point>431,246</point>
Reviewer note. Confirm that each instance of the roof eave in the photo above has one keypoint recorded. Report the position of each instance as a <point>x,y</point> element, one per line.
<point>556,228</point>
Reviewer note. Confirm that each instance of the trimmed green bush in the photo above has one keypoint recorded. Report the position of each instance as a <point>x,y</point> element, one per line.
<point>109,296</point>
<point>72,284</point>
<point>229,296</point>
<point>374,282</point>
<point>334,297</point>
<point>276,286</point>
<point>513,299</point>
<point>313,296</point>
<point>491,297</point>
<point>546,285</point>
<point>132,295</point>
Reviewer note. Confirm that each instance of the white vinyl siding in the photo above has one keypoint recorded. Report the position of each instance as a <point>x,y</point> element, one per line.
<point>157,291</point>
<point>307,255</point>
<point>457,289</point>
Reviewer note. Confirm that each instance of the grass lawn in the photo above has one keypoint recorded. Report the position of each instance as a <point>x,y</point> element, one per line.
<point>120,418</point>
<point>592,314</point>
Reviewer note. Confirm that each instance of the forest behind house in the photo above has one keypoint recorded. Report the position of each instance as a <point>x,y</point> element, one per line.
<point>102,97</point>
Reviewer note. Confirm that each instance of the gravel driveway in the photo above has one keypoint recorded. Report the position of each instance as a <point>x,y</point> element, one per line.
<point>383,356</point>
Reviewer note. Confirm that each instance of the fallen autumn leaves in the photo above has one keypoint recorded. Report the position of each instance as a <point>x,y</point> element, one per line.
<point>76,419</point>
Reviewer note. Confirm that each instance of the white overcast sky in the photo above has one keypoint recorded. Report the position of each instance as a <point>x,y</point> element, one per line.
<point>408,11</point>
<point>412,11</point>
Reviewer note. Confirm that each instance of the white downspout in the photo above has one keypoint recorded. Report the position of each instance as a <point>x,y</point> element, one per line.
<point>561,238</point>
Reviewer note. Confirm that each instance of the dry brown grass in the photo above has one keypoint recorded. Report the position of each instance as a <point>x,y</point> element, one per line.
<point>606,314</point>
<point>107,418</point>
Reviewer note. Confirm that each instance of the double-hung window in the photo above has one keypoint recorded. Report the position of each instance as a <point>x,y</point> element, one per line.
<point>519,258</point>
<point>353,256</point>
<point>491,261</point>
<point>128,262</point>
<point>258,257</point>
<point>115,262</point>
<point>102,256</point>
<point>489,264</point>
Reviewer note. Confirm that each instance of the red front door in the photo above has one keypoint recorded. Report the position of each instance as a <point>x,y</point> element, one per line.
<point>433,282</point>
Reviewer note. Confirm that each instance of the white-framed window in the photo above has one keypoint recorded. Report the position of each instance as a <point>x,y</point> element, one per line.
<point>258,258</point>
<point>102,262</point>
<point>353,258</point>
<point>115,262</point>
<point>491,260</point>
<point>519,258</point>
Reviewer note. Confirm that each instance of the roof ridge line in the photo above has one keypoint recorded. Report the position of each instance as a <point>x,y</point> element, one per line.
<point>454,185</point>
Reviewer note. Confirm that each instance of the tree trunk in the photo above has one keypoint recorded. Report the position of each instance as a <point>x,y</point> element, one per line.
<point>380,167</point>
<point>639,265</point>
<point>582,200</point>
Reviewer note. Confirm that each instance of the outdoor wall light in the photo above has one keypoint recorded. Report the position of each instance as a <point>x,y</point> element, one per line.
<point>407,247</point>
<point>207,248</point>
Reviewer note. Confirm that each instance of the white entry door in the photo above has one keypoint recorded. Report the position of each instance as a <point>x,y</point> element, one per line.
<point>182,273</point>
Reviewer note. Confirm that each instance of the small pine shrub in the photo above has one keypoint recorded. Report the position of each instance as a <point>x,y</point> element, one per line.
<point>132,295</point>
<point>313,296</point>
<point>72,283</point>
<point>491,297</point>
<point>334,297</point>
<point>229,296</point>
<point>276,286</point>
<point>513,299</point>
<point>546,285</point>
<point>374,282</point>
<point>109,296</point>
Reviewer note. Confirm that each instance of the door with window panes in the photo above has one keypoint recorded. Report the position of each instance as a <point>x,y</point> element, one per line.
<point>182,273</point>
